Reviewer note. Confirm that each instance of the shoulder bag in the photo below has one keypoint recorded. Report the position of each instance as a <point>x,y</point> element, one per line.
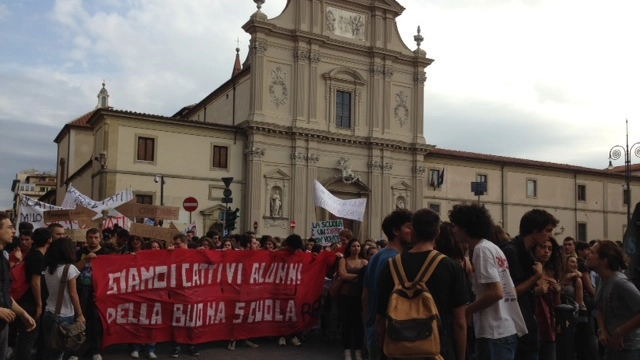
<point>65,337</point>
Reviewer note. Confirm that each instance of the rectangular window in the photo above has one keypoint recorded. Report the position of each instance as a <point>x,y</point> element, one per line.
<point>582,232</point>
<point>144,199</point>
<point>343,109</point>
<point>435,207</point>
<point>220,158</point>
<point>582,192</point>
<point>532,188</point>
<point>481,178</point>
<point>146,149</point>
<point>625,197</point>
<point>434,178</point>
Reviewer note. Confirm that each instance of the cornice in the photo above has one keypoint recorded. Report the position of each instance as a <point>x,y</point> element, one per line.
<point>342,46</point>
<point>287,131</point>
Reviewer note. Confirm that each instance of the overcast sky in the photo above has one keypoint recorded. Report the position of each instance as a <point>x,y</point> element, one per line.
<point>549,80</point>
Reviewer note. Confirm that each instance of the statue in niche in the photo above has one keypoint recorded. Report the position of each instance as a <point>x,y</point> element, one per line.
<point>276,204</point>
<point>400,203</point>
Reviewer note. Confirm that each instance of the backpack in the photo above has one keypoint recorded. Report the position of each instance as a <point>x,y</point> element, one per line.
<point>19,284</point>
<point>413,320</point>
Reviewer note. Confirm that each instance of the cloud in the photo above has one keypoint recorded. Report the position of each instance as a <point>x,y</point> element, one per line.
<point>530,78</point>
<point>4,12</point>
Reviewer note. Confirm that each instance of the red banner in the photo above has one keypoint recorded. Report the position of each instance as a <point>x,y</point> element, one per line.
<point>197,296</point>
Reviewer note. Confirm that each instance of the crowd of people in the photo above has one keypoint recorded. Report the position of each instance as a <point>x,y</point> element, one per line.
<point>497,297</point>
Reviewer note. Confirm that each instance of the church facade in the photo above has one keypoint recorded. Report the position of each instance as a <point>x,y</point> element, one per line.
<point>327,92</point>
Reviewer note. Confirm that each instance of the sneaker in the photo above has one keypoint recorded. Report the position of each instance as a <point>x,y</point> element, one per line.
<point>10,353</point>
<point>135,355</point>
<point>282,341</point>
<point>250,344</point>
<point>175,353</point>
<point>295,341</point>
<point>96,357</point>
<point>193,351</point>
<point>152,355</point>
<point>232,345</point>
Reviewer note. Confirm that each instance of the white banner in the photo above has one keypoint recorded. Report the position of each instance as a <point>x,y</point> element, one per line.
<point>32,211</point>
<point>74,197</point>
<point>348,209</point>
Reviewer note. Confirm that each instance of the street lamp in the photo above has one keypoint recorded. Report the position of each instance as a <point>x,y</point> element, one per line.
<point>614,154</point>
<point>160,179</point>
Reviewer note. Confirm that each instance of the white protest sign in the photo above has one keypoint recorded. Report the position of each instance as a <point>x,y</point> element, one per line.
<point>326,232</point>
<point>73,197</point>
<point>348,209</point>
<point>32,211</point>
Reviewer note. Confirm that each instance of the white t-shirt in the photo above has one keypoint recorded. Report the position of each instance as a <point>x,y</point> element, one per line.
<point>53,286</point>
<point>504,317</point>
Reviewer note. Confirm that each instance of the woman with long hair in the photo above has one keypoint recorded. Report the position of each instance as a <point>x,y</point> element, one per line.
<point>61,253</point>
<point>618,302</point>
<point>547,295</point>
<point>349,301</point>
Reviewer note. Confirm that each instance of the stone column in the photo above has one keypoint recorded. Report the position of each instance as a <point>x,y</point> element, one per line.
<point>253,197</point>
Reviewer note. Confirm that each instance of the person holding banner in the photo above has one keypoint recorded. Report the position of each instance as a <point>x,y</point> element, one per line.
<point>180,241</point>
<point>86,292</point>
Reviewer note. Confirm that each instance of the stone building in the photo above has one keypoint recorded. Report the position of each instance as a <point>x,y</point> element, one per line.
<point>327,92</point>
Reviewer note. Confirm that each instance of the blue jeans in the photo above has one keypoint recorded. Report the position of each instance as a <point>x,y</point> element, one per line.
<point>496,349</point>
<point>48,322</point>
<point>149,348</point>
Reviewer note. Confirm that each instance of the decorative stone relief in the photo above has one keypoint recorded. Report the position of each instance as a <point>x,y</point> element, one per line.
<point>380,166</point>
<point>254,153</point>
<point>420,78</point>
<point>419,170</point>
<point>261,47</point>
<point>313,158</point>
<point>269,223</point>
<point>345,23</point>
<point>401,111</point>
<point>377,70</point>
<point>301,55</point>
<point>375,165</point>
<point>301,158</point>
<point>315,57</point>
<point>278,88</point>
<point>347,176</point>
<point>388,72</point>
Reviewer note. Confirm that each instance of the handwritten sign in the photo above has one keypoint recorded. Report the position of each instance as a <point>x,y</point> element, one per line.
<point>133,210</point>
<point>76,235</point>
<point>348,209</point>
<point>79,213</point>
<point>154,232</point>
<point>326,232</point>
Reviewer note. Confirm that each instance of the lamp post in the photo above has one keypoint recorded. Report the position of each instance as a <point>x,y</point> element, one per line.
<point>614,154</point>
<point>160,179</point>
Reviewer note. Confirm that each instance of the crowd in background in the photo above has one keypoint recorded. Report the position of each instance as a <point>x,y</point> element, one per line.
<point>526,297</point>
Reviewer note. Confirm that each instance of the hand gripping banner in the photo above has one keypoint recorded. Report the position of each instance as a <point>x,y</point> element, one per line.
<point>197,296</point>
